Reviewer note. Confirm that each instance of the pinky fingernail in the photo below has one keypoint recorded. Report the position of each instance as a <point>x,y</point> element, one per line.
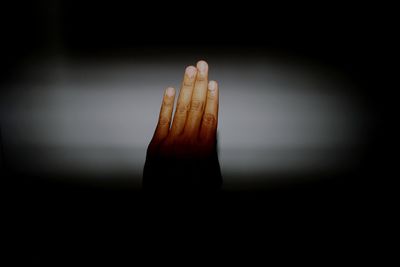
<point>170,91</point>
<point>212,85</point>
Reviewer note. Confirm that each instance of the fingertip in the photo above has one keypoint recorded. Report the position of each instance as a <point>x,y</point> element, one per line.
<point>212,85</point>
<point>170,91</point>
<point>202,66</point>
<point>191,71</point>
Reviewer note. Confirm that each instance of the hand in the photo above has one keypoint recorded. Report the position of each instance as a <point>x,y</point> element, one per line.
<point>183,155</point>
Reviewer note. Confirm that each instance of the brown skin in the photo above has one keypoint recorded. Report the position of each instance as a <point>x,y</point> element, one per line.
<point>182,153</point>
<point>194,126</point>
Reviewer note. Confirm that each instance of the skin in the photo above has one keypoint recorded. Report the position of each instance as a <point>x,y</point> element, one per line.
<point>191,132</point>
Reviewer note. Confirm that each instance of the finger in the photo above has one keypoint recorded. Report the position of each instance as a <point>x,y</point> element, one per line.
<point>164,119</point>
<point>198,100</point>
<point>210,118</point>
<point>183,105</point>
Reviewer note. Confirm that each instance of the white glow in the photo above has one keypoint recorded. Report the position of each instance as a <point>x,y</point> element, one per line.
<point>99,118</point>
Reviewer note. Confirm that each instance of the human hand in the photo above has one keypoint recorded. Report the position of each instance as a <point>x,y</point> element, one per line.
<point>183,155</point>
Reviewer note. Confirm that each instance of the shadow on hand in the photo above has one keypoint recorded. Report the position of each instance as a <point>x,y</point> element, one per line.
<point>166,170</point>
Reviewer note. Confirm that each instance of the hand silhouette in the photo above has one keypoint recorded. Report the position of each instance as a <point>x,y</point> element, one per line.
<point>183,155</point>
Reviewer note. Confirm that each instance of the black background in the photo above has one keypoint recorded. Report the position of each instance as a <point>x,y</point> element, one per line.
<point>349,37</point>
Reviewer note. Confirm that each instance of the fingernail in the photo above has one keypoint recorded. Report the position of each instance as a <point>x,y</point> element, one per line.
<point>170,91</point>
<point>191,71</point>
<point>202,66</point>
<point>212,85</point>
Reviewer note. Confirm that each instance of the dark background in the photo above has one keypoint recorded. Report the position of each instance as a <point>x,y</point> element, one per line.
<point>349,37</point>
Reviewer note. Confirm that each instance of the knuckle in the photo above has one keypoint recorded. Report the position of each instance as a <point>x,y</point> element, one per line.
<point>188,82</point>
<point>196,105</point>
<point>201,77</point>
<point>182,109</point>
<point>211,96</point>
<point>163,121</point>
<point>209,119</point>
<point>167,103</point>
